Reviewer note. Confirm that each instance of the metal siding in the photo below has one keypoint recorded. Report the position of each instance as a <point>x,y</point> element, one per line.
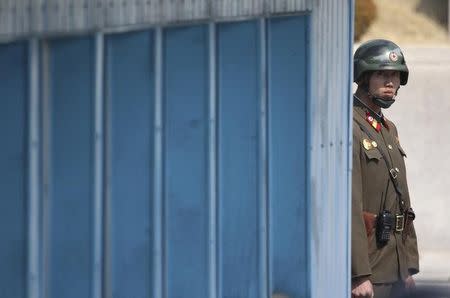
<point>287,155</point>
<point>185,101</point>
<point>130,89</point>
<point>285,6</point>
<point>13,165</point>
<point>181,10</point>
<point>329,150</point>
<point>238,66</point>
<point>189,201</point>
<point>71,167</point>
<point>232,8</point>
<point>36,16</point>
<point>52,15</point>
<point>20,18</point>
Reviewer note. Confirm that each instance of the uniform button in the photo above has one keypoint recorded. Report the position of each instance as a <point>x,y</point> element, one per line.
<point>390,146</point>
<point>397,170</point>
<point>374,144</point>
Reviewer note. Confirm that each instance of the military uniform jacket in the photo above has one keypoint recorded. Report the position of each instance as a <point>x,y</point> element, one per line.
<point>373,191</point>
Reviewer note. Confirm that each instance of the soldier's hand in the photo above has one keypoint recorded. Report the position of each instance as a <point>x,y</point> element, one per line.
<point>363,289</point>
<point>410,284</point>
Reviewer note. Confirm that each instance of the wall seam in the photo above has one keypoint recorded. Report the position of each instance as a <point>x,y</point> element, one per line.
<point>98,168</point>
<point>158,249</point>
<point>263,162</point>
<point>34,143</point>
<point>212,146</point>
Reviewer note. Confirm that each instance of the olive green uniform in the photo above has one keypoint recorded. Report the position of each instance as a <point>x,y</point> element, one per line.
<point>372,191</point>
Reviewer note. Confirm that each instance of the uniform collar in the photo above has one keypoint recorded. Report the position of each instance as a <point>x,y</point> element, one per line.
<point>375,120</point>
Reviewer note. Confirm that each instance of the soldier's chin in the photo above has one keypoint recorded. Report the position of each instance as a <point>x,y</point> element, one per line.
<point>388,96</point>
<point>383,102</point>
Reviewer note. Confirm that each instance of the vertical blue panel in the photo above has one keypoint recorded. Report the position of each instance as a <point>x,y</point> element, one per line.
<point>186,204</point>
<point>239,94</point>
<point>287,50</point>
<point>13,105</point>
<point>72,74</point>
<point>131,106</point>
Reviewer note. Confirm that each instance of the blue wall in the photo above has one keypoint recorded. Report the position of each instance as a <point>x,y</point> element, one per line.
<point>203,162</point>
<point>69,202</point>
<point>13,169</point>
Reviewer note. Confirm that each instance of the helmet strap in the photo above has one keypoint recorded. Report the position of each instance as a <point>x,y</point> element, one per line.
<point>377,116</point>
<point>380,101</point>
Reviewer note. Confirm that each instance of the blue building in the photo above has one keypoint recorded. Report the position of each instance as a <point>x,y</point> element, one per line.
<point>171,149</point>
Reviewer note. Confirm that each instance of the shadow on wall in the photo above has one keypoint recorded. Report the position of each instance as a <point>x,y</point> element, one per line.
<point>435,9</point>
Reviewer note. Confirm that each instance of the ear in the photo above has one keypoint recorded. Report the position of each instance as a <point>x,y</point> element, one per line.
<point>363,83</point>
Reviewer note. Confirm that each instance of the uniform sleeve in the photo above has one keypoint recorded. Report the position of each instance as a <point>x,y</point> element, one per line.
<point>412,252</point>
<point>411,241</point>
<point>360,256</point>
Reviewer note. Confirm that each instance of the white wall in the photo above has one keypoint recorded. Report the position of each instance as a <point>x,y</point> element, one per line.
<point>422,116</point>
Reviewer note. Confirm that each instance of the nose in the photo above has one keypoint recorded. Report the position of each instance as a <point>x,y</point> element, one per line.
<point>389,80</point>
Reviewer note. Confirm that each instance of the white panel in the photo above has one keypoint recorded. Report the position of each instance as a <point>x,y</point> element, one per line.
<point>51,8</point>
<point>80,12</point>
<point>280,6</point>
<point>182,10</point>
<point>24,17</point>
<point>21,16</point>
<point>113,12</point>
<point>36,16</point>
<point>153,11</point>
<point>230,8</point>
<point>6,21</point>
<point>98,11</point>
<point>330,147</point>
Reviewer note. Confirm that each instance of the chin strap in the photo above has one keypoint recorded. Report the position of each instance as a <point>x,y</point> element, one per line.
<point>380,101</point>
<point>377,116</point>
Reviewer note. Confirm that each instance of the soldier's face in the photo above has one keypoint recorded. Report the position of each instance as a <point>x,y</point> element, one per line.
<point>384,83</point>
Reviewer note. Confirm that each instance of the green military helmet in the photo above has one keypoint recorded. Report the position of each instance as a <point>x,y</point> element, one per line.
<point>379,54</point>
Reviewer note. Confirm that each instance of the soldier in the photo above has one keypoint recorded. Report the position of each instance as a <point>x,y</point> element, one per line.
<point>384,246</point>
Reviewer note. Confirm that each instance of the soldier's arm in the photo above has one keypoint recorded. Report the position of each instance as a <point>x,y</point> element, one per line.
<point>411,240</point>
<point>360,256</point>
<point>412,252</point>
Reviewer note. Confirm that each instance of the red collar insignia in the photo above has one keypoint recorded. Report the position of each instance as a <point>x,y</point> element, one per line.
<point>373,122</point>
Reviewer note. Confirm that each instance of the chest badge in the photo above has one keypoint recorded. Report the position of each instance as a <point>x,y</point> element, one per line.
<point>368,144</point>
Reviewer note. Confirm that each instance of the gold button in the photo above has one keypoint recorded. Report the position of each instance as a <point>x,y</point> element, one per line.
<point>390,146</point>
